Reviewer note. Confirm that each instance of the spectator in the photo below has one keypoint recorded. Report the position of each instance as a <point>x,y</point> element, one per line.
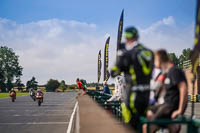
<point>119,86</point>
<point>106,89</point>
<point>80,87</point>
<point>175,99</point>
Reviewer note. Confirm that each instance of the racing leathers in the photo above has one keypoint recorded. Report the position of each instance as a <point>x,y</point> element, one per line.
<point>137,64</point>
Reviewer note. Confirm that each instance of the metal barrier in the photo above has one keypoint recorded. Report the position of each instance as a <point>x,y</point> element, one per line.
<point>101,99</point>
<point>193,126</point>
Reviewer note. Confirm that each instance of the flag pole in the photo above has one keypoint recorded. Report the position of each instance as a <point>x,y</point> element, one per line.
<point>195,54</point>
<point>193,87</point>
<point>99,69</point>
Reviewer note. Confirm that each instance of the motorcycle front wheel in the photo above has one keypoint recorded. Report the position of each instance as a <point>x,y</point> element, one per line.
<point>13,100</point>
<point>39,103</point>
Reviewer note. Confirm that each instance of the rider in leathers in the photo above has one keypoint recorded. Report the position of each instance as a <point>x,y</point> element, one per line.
<point>136,62</point>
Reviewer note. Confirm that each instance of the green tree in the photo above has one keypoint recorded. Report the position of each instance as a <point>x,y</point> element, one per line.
<point>184,56</point>
<point>174,58</point>
<point>31,84</point>
<point>9,68</point>
<point>2,84</point>
<point>19,84</point>
<point>52,85</point>
<point>62,86</point>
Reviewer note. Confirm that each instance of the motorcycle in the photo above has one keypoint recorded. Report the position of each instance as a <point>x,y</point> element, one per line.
<point>32,95</point>
<point>39,97</point>
<point>13,96</point>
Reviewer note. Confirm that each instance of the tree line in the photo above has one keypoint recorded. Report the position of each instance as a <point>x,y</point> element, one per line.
<point>11,72</point>
<point>179,60</point>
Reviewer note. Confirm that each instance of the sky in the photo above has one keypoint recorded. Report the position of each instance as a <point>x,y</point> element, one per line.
<point>60,39</point>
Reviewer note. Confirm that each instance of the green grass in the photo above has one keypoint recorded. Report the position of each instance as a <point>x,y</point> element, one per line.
<point>5,95</point>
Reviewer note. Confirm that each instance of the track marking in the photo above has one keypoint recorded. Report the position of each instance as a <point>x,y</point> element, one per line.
<point>77,124</point>
<point>71,119</point>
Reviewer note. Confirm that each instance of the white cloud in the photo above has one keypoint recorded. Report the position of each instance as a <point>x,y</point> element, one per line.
<point>167,34</point>
<point>53,48</point>
<point>63,49</point>
<point>168,21</point>
<point>165,22</point>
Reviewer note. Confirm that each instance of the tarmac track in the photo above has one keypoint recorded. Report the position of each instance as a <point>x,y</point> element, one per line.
<point>196,110</point>
<point>25,116</point>
<point>188,114</point>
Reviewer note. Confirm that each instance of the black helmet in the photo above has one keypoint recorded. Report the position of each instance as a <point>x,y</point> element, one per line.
<point>131,33</point>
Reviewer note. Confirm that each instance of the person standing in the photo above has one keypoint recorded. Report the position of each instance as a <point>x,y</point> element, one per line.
<point>136,62</point>
<point>80,86</point>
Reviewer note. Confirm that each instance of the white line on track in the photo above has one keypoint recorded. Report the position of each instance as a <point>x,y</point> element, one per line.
<point>36,123</point>
<point>71,119</point>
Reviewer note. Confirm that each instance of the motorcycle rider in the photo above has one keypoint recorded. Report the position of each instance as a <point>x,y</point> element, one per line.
<point>136,62</point>
<point>32,93</point>
<point>12,90</point>
<point>40,92</point>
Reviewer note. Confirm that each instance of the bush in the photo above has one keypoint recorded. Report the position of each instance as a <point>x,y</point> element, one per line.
<point>52,85</point>
<point>62,86</point>
<point>72,87</point>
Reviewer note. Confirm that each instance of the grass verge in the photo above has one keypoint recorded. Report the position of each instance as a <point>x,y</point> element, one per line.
<point>5,95</point>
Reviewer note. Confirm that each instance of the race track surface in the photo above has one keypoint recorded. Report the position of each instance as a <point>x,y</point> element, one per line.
<point>196,110</point>
<point>25,116</point>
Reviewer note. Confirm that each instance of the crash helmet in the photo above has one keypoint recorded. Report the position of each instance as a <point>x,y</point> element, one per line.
<point>131,33</point>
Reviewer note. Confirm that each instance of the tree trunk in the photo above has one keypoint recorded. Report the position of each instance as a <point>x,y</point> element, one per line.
<point>2,87</point>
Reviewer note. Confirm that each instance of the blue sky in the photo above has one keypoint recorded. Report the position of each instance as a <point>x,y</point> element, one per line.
<point>101,12</point>
<point>53,37</point>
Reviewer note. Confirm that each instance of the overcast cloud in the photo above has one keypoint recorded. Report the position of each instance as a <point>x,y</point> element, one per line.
<point>62,49</point>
